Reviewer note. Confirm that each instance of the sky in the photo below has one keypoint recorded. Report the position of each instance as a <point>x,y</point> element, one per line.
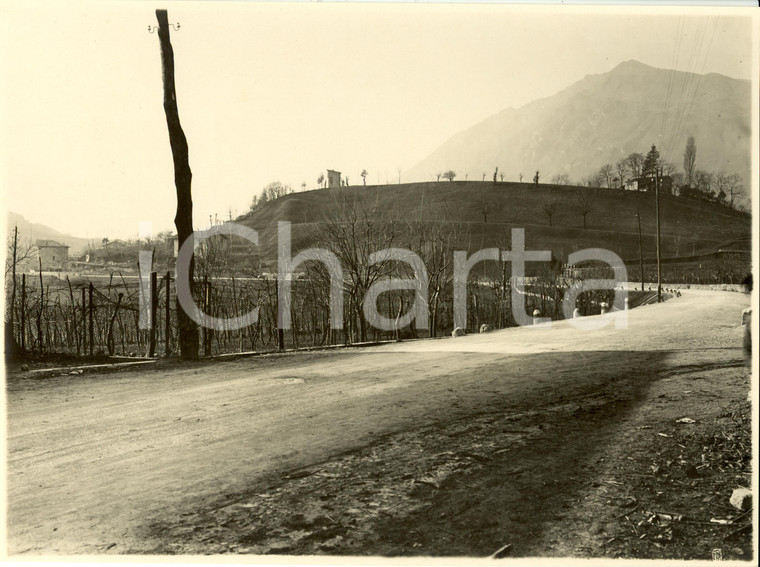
<point>283,91</point>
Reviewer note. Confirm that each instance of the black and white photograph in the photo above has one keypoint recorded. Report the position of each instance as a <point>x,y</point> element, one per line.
<point>333,282</point>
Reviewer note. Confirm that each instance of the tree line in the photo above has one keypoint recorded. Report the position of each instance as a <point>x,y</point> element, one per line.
<point>716,186</point>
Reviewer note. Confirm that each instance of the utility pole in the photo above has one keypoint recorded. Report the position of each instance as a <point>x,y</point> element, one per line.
<point>13,288</point>
<point>641,249</point>
<point>657,214</point>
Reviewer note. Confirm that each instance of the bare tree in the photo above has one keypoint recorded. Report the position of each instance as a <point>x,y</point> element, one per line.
<point>321,179</point>
<point>607,172</point>
<point>703,182</point>
<point>18,252</point>
<point>450,175</point>
<point>635,164</point>
<point>521,177</point>
<point>597,180</point>
<point>728,187</point>
<point>549,206</point>
<point>584,204</point>
<point>561,179</point>
<point>188,329</point>
<point>734,187</point>
<point>668,168</point>
<point>353,231</point>
<point>438,176</point>
<point>14,256</point>
<point>435,244</point>
<point>621,167</point>
<point>485,209</point>
<point>364,176</point>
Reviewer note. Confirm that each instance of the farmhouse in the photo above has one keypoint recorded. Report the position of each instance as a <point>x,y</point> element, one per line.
<point>53,255</point>
<point>647,184</point>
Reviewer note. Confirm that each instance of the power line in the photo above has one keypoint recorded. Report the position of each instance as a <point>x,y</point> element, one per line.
<point>690,102</point>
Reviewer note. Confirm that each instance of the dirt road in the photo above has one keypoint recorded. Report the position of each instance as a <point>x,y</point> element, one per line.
<point>95,460</point>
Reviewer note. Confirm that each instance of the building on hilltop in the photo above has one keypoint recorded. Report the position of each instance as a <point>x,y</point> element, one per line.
<point>647,184</point>
<point>333,178</point>
<point>53,255</point>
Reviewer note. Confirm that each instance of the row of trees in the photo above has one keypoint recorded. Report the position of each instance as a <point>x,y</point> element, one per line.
<point>273,191</point>
<point>450,175</point>
<point>716,186</point>
<point>355,229</point>
<point>612,176</point>
<point>720,187</point>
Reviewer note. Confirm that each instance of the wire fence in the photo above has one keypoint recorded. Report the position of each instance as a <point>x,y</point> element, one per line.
<point>89,317</point>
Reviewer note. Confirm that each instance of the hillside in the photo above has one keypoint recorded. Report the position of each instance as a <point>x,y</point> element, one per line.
<point>30,232</point>
<point>603,118</point>
<point>688,227</point>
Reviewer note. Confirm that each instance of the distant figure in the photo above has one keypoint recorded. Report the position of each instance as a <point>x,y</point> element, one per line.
<point>747,283</point>
<point>747,322</point>
<point>535,178</point>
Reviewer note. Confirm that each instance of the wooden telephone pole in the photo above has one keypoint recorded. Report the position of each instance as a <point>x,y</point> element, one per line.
<point>641,249</point>
<point>657,214</point>
<point>188,330</point>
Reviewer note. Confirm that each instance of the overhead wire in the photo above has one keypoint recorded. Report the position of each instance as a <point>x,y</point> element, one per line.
<point>700,74</point>
<point>696,69</point>
<point>671,75</point>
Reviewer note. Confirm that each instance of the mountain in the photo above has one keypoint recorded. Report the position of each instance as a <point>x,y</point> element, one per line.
<point>30,232</point>
<point>603,118</point>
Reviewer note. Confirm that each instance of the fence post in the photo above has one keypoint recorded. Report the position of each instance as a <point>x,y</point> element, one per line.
<point>167,322</point>
<point>153,312</point>
<point>280,331</point>
<point>92,327</point>
<point>84,322</point>
<point>23,312</point>
<point>206,330</point>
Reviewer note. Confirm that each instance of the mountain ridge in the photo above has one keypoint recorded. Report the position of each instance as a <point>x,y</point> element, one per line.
<point>31,232</point>
<point>603,118</point>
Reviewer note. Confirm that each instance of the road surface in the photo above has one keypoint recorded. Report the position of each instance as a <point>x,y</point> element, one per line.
<point>92,459</point>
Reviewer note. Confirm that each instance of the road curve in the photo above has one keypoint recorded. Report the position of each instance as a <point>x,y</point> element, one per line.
<point>94,458</point>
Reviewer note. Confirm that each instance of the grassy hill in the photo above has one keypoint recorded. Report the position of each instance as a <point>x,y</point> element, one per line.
<point>688,227</point>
